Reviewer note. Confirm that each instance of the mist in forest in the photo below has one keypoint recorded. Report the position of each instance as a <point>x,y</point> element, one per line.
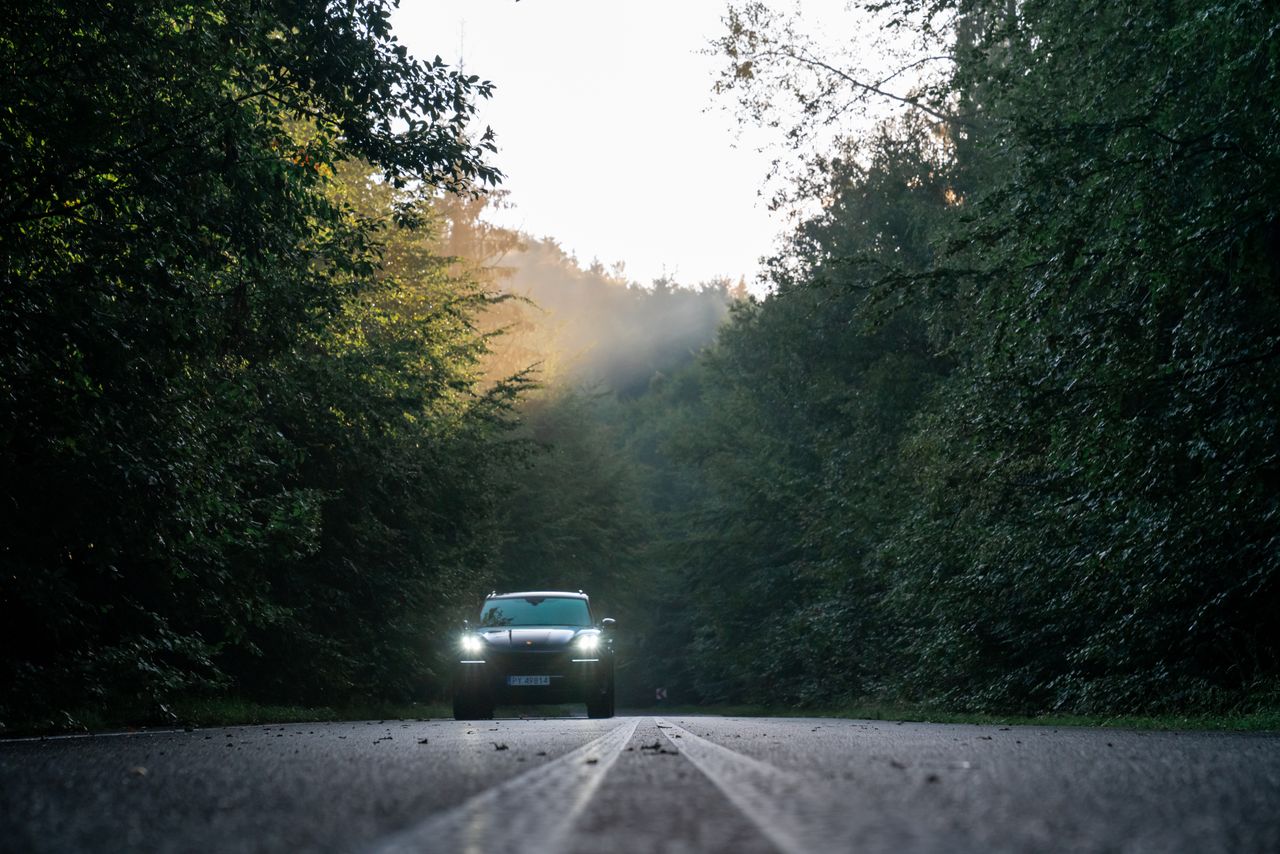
<point>571,324</point>
<point>591,326</point>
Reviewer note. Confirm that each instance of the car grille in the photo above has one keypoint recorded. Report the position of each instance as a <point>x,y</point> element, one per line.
<point>531,663</point>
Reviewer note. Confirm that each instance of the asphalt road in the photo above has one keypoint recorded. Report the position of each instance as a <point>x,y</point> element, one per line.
<point>635,784</point>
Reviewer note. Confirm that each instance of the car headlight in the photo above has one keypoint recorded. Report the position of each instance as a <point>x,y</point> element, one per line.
<point>588,643</point>
<point>472,644</point>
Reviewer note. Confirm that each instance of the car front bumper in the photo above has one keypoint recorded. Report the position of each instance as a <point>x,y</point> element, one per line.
<point>572,677</point>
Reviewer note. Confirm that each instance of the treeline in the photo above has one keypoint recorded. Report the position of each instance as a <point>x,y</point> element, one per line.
<point>269,427</point>
<point>279,404</point>
<point>246,440</point>
<point>1004,435</point>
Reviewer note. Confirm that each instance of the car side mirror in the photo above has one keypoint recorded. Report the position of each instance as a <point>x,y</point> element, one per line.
<point>608,623</point>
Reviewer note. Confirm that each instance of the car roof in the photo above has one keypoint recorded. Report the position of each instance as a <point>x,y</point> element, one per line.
<point>539,594</point>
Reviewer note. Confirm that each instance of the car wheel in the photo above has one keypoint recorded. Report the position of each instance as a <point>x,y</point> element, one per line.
<point>466,708</point>
<point>602,707</point>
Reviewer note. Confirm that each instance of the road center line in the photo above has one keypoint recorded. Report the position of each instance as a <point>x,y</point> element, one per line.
<point>790,810</point>
<point>532,812</point>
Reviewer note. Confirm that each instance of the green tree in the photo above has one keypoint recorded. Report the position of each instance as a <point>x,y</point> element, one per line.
<point>792,425</point>
<point>173,251</point>
<point>1103,463</point>
<point>1003,432</point>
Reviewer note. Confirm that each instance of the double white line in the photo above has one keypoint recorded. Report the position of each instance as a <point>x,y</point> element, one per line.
<point>793,812</point>
<point>533,812</point>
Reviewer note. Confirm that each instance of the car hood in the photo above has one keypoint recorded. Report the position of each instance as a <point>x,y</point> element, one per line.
<point>530,639</point>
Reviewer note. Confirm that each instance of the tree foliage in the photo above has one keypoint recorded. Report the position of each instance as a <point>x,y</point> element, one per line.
<point>235,434</point>
<point>1003,435</point>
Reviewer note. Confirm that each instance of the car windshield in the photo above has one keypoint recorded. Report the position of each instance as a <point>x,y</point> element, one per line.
<point>535,611</point>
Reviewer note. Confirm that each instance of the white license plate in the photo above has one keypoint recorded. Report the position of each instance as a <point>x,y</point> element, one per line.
<point>528,680</point>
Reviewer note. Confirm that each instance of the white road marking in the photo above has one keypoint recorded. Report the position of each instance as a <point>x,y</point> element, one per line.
<point>794,812</point>
<point>531,813</point>
<point>79,735</point>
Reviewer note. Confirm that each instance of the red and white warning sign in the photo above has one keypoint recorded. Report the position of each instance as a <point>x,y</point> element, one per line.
<point>660,693</point>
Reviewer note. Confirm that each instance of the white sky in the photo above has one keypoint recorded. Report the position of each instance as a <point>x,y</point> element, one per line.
<point>605,136</point>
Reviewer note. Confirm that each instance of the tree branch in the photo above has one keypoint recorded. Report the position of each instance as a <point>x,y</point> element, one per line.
<point>873,89</point>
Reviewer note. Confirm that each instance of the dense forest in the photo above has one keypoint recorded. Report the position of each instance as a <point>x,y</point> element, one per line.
<point>1003,432</point>
<point>245,443</point>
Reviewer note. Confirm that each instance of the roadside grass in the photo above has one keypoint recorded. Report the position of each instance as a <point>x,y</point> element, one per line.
<point>224,711</point>
<point>219,711</point>
<point>1251,722</point>
<point>232,711</point>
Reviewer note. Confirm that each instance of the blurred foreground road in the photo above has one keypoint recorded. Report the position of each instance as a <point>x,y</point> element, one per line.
<point>635,784</point>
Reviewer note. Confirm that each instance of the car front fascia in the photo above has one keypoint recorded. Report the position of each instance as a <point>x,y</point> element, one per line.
<point>575,674</point>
